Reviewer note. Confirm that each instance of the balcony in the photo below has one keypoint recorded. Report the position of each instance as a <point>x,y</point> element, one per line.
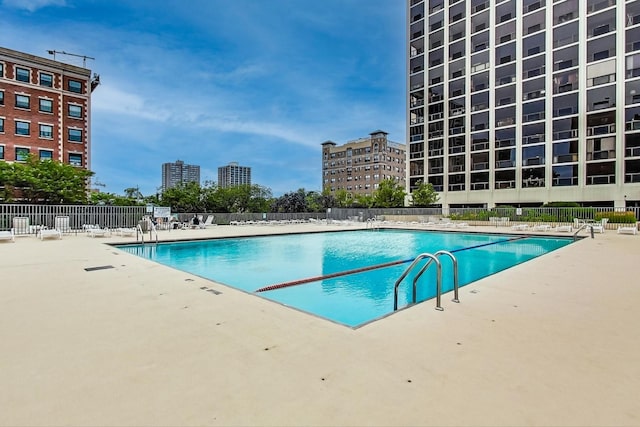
<point>533,161</point>
<point>631,177</point>
<point>436,170</point>
<point>603,129</point>
<point>479,185</point>
<point>601,179</point>
<point>480,166</point>
<point>456,187</point>
<point>479,146</point>
<point>564,182</point>
<point>507,142</point>
<point>601,155</point>
<point>503,164</point>
<point>533,139</point>
<point>533,182</point>
<point>632,152</point>
<point>566,158</point>
<point>532,117</point>
<point>418,137</point>
<point>501,185</point>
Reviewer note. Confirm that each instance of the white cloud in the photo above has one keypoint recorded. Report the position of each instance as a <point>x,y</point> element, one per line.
<point>33,5</point>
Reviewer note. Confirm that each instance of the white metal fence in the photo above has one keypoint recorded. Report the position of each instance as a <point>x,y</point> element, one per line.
<point>45,215</point>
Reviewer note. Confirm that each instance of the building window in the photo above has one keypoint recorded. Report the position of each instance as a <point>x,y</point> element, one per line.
<point>46,80</point>
<point>1,69</point>
<point>21,154</point>
<point>46,131</point>
<point>75,159</point>
<point>1,152</point>
<point>75,86</point>
<point>22,128</point>
<point>46,155</point>
<point>75,135</point>
<point>75,111</point>
<point>46,105</point>
<point>1,97</point>
<point>22,101</point>
<point>22,75</point>
<point>1,125</point>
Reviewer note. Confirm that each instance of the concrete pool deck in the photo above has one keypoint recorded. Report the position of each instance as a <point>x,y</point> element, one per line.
<point>553,341</point>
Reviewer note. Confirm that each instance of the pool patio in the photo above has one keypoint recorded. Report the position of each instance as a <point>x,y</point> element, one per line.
<point>94,336</point>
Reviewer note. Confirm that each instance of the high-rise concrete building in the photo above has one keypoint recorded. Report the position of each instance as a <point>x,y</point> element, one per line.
<point>233,175</point>
<point>177,173</point>
<point>45,109</point>
<point>360,165</point>
<point>524,102</point>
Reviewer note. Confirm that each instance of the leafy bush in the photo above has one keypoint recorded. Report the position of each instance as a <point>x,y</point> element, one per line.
<point>617,217</point>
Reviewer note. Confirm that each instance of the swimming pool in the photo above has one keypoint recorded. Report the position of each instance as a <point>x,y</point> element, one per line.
<point>252,263</point>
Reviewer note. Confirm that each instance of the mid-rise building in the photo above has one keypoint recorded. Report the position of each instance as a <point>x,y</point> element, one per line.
<point>45,109</point>
<point>233,175</point>
<point>360,165</point>
<point>524,102</point>
<point>174,174</point>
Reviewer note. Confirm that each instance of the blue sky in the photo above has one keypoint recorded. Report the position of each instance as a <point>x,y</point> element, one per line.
<point>258,82</point>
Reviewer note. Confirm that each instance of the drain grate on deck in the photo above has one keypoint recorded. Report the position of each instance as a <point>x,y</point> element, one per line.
<point>101,267</point>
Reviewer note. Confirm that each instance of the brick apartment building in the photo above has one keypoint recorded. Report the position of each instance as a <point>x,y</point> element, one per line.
<point>45,109</point>
<point>359,166</point>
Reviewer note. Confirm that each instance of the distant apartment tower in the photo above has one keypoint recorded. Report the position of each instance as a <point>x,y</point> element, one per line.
<point>360,165</point>
<point>177,173</point>
<point>45,109</point>
<point>233,175</point>
<point>524,102</point>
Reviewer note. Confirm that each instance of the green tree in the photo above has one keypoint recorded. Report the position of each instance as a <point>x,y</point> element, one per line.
<point>291,202</point>
<point>389,194</point>
<point>342,198</point>
<point>424,195</point>
<point>363,201</point>
<point>46,182</point>
<point>185,197</point>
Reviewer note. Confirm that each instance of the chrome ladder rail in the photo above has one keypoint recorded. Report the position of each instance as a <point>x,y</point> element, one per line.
<point>411,267</point>
<point>455,279</point>
<point>140,233</point>
<point>584,225</point>
<point>372,224</point>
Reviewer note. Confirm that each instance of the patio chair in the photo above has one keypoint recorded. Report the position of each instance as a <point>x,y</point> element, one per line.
<point>99,232</point>
<point>61,223</point>
<point>7,235</point>
<point>21,225</point>
<point>125,231</point>
<point>45,233</point>
<point>628,230</point>
<point>207,222</point>
<point>598,227</point>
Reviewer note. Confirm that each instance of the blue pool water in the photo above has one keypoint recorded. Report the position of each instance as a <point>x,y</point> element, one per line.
<point>252,263</point>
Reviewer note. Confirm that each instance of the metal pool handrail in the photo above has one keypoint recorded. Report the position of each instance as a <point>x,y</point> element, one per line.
<point>411,267</point>
<point>455,277</point>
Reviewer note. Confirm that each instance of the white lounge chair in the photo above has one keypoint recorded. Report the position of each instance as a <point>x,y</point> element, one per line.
<point>45,233</point>
<point>598,227</point>
<point>7,235</point>
<point>563,228</point>
<point>61,223</point>
<point>98,232</point>
<point>125,231</point>
<point>21,225</point>
<point>541,227</point>
<point>628,230</point>
<point>207,222</point>
<point>520,227</point>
